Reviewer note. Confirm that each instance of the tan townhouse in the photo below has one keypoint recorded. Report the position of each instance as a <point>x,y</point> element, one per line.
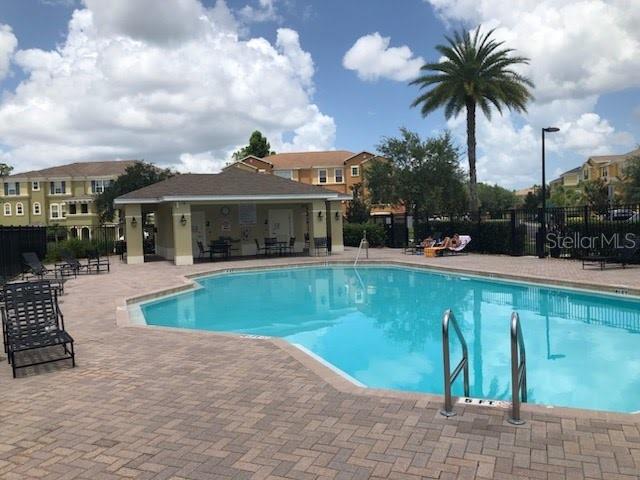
<point>610,169</point>
<point>62,195</point>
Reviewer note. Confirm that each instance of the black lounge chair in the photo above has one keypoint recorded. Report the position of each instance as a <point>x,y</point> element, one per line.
<point>31,319</point>
<point>289,249</point>
<point>72,266</point>
<point>33,266</point>
<point>97,262</point>
<point>627,254</point>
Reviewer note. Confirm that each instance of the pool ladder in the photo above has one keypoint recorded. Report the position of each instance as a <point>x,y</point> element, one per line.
<point>518,366</point>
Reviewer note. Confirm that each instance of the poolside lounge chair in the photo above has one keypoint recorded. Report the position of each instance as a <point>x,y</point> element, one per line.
<point>96,261</point>
<point>33,266</point>
<point>464,241</point>
<point>31,319</point>
<point>71,265</point>
<point>626,255</point>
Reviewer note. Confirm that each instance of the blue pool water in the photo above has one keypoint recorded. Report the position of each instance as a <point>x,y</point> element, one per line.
<point>382,326</point>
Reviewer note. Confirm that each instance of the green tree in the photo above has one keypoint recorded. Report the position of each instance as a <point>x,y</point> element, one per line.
<point>533,199</point>
<point>381,181</point>
<point>426,174</point>
<point>631,187</point>
<point>357,209</point>
<point>258,147</point>
<point>5,170</point>
<point>494,198</point>
<point>562,196</point>
<point>596,194</point>
<point>476,72</point>
<point>138,175</point>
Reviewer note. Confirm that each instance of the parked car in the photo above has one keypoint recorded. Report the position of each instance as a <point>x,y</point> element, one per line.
<point>622,215</point>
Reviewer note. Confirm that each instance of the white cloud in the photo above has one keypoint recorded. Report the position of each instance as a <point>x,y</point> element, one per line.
<point>116,89</point>
<point>203,162</point>
<point>265,11</point>
<point>8,44</point>
<point>372,58</point>
<point>579,50</point>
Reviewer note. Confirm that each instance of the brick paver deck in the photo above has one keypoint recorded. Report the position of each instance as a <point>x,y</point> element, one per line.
<point>153,403</point>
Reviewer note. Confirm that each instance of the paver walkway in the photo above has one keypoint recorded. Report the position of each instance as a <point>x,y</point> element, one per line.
<point>152,403</point>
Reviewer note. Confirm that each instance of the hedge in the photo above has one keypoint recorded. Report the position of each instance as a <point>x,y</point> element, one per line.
<point>78,248</point>
<point>353,233</point>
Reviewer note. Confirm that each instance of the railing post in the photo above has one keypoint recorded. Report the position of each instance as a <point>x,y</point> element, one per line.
<point>463,365</point>
<point>518,371</point>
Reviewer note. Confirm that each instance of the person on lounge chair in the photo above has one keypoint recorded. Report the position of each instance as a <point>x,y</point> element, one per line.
<point>453,244</point>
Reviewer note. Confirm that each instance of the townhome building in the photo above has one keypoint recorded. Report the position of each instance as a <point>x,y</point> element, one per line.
<point>63,195</point>
<point>610,169</point>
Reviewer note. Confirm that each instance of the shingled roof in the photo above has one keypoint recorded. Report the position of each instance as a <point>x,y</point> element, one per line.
<point>80,169</point>
<point>330,158</point>
<point>231,184</point>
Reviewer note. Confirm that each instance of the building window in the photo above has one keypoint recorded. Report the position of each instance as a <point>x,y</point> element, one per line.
<point>63,210</point>
<point>84,208</point>
<point>585,174</point>
<point>19,209</point>
<point>7,209</point>
<point>12,188</point>
<point>58,188</point>
<point>339,175</point>
<point>603,172</point>
<point>288,174</point>
<point>35,186</point>
<point>72,209</point>
<point>54,211</point>
<point>98,186</point>
<point>36,208</point>
<point>322,175</point>
<point>355,171</point>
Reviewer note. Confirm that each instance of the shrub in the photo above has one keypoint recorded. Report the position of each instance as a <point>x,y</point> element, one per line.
<point>353,233</point>
<point>77,247</point>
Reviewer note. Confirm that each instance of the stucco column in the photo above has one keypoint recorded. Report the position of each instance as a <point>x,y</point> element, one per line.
<point>133,233</point>
<point>335,224</point>
<point>182,249</point>
<point>317,223</point>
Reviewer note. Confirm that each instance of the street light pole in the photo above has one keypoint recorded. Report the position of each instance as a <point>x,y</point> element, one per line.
<point>543,211</point>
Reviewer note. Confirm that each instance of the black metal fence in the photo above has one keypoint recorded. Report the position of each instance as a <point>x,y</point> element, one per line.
<point>16,240</point>
<point>563,232</point>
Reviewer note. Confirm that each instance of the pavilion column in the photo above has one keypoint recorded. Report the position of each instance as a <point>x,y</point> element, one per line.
<point>335,226</point>
<point>182,249</point>
<point>317,223</point>
<point>133,233</point>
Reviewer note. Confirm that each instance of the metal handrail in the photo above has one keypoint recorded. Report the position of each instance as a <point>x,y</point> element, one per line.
<point>364,244</point>
<point>518,370</point>
<point>463,365</point>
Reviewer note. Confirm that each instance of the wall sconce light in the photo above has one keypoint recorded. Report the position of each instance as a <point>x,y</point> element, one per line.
<point>134,222</point>
<point>337,215</point>
<point>320,215</point>
<point>183,220</point>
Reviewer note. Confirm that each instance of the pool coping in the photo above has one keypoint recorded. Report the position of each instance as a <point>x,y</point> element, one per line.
<point>337,379</point>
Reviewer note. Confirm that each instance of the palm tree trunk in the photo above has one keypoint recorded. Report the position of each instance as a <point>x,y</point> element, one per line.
<point>471,153</point>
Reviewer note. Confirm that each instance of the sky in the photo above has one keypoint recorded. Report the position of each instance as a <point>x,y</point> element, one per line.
<point>183,83</point>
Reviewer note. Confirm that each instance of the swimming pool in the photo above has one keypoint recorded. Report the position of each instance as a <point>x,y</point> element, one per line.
<point>381,325</point>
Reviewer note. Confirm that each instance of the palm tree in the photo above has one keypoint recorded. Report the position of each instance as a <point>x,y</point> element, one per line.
<point>475,71</point>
